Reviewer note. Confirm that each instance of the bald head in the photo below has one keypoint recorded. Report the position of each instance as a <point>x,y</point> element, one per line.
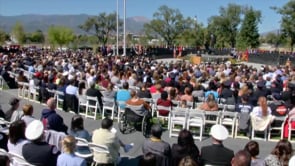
<point>51,103</point>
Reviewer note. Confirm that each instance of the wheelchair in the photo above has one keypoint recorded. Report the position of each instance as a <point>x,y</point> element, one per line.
<point>130,121</point>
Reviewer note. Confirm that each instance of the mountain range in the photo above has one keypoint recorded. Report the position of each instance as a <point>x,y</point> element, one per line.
<point>33,22</point>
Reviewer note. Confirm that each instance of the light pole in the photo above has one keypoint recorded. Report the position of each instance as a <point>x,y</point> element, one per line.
<point>117,48</point>
<point>124,33</point>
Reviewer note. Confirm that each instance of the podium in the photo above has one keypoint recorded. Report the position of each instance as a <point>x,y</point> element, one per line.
<point>196,60</point>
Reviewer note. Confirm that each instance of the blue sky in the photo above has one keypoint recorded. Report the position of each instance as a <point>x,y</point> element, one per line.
<point>203,9</point>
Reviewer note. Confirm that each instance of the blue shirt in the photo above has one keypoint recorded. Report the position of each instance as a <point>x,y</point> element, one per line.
<point>66,159</point>
<point>123,95</point>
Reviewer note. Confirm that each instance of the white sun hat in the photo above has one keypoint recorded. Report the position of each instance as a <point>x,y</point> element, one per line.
<point>219,132</point>
<point>34,130</point>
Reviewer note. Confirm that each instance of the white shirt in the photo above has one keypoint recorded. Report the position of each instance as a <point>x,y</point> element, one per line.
<point>257,111</point>
<point>18,147</point>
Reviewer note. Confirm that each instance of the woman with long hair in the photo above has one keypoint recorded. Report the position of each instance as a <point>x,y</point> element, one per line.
<point>262,109</point>
<point>185,147</point>
<point>280,155</point>
<point>210,104</point>
<point>17,137</point>
<point>253,148</point>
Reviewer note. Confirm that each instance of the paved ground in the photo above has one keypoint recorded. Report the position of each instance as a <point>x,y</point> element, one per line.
<point>136,137</point>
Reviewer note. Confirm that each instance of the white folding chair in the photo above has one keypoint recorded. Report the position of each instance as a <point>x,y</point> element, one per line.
<point>280,127</point>
<point>237,134</point>
<point>159,107</point>
<point>255,122</point>
<point>82,104</point>
<point>229,119</point>
<point>109,104</point>
<point>290,129</point>
<point>2,82</point>
<point>82,143</point>
<point>212,117</point>
<point>59,99</point>
<point>120,108</point>
<point>20,89</point>
<point>178,118</point>
<point>92,107</point>
<point>100,149</point>
<point>196,119</point>
<point>229,108</point>
<point>18,159</point>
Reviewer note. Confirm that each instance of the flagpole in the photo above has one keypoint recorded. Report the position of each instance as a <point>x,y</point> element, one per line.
<point>117,14</point>
<point>124,33</point>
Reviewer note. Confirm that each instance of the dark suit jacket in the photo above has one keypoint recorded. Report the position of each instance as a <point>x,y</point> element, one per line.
<point>216,155</point>
<point>95,93</point>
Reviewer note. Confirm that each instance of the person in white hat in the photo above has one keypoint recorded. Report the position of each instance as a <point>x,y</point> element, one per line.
<point>217,154</point>
<point>38,152</point>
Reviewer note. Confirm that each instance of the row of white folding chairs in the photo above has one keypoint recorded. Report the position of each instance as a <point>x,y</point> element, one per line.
<point>198,118</point>
<point>28,92</point>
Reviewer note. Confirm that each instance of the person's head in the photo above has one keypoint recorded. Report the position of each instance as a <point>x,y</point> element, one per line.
<point>241,158</point>
<point>149,159</point>
<point>253,148</point>
<point>51,103</point>
<point>28,109</point>
<point>187,161</point>
<point>283,150</point>
<point>133,93</point>
<point>210,97</point>
<point>92,84</point>
<point>34,131</point>
<point>125,85</point>
<point>219,133</point>
<point>68,144</point>
<point>106,123</point>
<point>262,102</point>
<point>245,98</point>
<point>156,131</point>
<point>185,138</point>
<point>77,123</point>
<point>14,102</point>
<point>188,91</point>
<point>17,131</point>
<point>164,95</point>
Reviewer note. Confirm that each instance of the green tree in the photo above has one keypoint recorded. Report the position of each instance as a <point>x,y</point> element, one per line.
<point>36,37</point>
<point>167,24</point>
<point>288,21</point>
<point>59,35</point>
<point>249,35</point>
<point>18,33</point>
<point>225,26</point>
<point>102,26</point>
<point>3,36</point>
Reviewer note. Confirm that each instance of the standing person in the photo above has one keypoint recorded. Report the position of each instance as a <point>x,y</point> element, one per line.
<point>157,146</point>
<point>253,148</point>
<point>217,154</point>
<point>280,155</point>
<point>51,119</point>
<point>185,147</point>
<point>68,156</point>
<point>38,152</point>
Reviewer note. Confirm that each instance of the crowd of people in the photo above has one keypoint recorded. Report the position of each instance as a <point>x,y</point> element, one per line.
<point>256,93</point>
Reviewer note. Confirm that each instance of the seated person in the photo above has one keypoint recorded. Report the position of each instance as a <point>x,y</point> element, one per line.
<point>68,156</point>
<point>244,109</point>
<point>261,115</point>
<point>140,106</point>
<point>164,101</point>
<point>210,104</point>
<point>38,152</point>
<point>105,136</point>
<point>157,146</point>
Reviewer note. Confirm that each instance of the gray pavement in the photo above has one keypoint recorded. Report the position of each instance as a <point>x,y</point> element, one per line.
<point>136,137</point>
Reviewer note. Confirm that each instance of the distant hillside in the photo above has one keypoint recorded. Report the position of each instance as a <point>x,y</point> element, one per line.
<point>34,22</point>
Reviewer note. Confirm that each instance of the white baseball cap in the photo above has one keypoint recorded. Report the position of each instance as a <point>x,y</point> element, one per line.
<point>34,130</point>
<point>219,132</point>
